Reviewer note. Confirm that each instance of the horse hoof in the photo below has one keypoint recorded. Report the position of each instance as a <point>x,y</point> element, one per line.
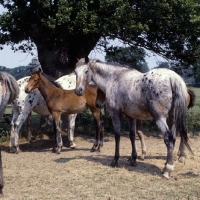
<point>12,150</point>
<point>92,150</point>
<point>58,150</point>
<point>114,163</point>
<point>133,163</point>
<point>166,175</point>
<point>54,150</point>
<point>181,159</point>
<point>142,157</point>
<point>1,193</point>
<point>72,145</point>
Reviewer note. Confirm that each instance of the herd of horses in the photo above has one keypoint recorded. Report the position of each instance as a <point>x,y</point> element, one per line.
<point>159,94</point>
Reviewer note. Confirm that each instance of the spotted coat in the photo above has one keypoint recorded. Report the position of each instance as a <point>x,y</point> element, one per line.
<point>25,103</point>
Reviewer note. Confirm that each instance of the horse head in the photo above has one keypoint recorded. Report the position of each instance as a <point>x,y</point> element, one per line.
<point>34,81</point>
<point>83,75</point>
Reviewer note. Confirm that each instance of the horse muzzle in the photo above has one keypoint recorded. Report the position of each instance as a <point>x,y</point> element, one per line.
<point>79,91</point>
<point>27,90</point>
<point>98,104</point>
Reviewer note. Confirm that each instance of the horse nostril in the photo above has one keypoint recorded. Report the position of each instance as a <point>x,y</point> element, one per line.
<point>26,90</point>
<point>98,104</point>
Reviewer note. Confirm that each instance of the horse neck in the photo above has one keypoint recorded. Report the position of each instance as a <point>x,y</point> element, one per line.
<point>103,75</point>
<point>46,88</point>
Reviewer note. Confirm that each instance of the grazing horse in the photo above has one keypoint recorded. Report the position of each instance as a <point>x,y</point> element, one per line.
<point>157,94</point>
<point>8,92</point>
<point>101,98</point>
<point>25,103</point>
<point>61,101</point>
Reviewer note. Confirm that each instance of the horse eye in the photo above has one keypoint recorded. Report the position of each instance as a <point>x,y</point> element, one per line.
<point>86,72</point>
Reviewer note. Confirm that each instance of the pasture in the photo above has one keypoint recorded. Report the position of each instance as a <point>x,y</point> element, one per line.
<point>37,173</point>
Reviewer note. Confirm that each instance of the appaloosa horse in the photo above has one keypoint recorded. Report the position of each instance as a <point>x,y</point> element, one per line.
<point>61,101</point>
<point>8,92</point>
<point>157,94</point>
<point>100,102</point>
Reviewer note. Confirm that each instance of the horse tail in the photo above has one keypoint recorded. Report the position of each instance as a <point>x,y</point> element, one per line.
<point>179,91</point>
<point>12,84</point>
<point>192,98</point>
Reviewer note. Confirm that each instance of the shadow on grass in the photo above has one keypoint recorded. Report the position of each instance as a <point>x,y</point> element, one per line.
<point>44,145</point>
<point>124,163</point>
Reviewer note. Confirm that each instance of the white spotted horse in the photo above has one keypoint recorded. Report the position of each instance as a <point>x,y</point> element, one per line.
<point>26,103</point>
<point>158,94</point>
<point>9,90</point>
<point>61,101</point>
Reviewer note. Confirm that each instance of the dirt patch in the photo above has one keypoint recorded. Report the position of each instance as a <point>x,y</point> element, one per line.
<point>37,173</point>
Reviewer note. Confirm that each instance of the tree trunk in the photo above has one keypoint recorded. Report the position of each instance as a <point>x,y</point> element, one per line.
<point>60,59</point>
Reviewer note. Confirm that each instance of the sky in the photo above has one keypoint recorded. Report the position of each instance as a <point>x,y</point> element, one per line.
<point>11,59</point>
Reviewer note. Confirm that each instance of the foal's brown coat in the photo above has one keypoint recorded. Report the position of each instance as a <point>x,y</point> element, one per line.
<point>61,101</point>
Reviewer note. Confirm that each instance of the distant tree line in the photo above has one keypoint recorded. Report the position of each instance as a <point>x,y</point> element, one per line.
<point>17,72</point>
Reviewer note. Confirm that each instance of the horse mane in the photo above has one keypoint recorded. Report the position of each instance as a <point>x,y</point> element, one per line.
<point>114,64</point>
<point>12,84</point>
<point>52,80</point>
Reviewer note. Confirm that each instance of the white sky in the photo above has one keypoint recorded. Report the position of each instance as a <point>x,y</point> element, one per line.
<point>10,59</point>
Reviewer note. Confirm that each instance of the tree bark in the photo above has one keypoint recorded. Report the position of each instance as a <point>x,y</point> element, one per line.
<point>60,58</point>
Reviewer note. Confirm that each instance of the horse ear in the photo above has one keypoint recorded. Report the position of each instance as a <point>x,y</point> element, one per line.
<point>86,59</point>
<point>39,70</point>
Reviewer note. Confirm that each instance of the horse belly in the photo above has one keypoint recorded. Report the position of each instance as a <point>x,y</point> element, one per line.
<point>41,109</point>
<point>74,110</point>
<point>137,113</point>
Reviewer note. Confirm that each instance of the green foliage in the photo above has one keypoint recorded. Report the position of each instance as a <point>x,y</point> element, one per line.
<point>17,72</point>
<point>163,65</point>
<point>131,56</point>
<point>73,28</point>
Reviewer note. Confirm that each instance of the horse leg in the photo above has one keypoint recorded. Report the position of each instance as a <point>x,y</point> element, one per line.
<point>117,127</point>
<point>1,176</point>
<point>12,131</point>
<point>132,130</point>
<point>141,137</point>
<point>169,142</point>
<point>29,134</point>
<point>70,130</point>
<point>57,128</point>
<point>182,152</point>
<point>99,130</point>
<point>16,125</point>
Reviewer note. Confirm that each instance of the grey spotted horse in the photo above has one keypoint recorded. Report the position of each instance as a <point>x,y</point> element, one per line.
<point>157,94</point>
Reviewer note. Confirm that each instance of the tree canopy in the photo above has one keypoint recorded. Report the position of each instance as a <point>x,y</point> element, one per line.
<point>66,30</point>
<point>131,56</point>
